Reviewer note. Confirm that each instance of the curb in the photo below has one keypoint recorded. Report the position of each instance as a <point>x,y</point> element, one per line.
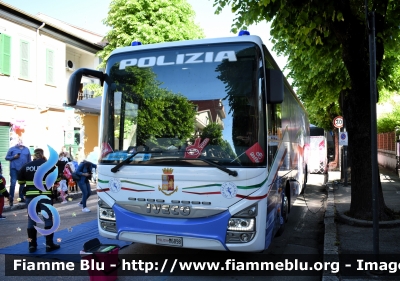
<point>331,250</point>
<point>364,223</point>
<point>20,206</point>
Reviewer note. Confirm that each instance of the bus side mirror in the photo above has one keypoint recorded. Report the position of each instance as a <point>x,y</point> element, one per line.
<point>275,86</point>
<point>74,83</point>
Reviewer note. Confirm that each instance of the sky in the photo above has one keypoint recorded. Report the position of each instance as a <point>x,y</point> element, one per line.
<point>89,14</point>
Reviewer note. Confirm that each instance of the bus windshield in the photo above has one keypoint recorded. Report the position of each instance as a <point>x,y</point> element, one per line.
<point>184,104</point>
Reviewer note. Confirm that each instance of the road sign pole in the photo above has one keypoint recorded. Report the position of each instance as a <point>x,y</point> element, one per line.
<point>345,154</point>
<point>345,164</point>
<point>344,142</point>
<point>341,156</point>
<point>338,122</point>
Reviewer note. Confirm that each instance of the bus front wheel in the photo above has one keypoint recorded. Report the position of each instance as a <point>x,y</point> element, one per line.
<point>284,217</point>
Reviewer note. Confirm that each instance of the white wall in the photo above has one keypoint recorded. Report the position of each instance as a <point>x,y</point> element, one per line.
<point>51,95</point>
<point>387,159</point>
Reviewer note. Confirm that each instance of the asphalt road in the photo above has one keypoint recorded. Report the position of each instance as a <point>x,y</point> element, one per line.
<point>303,234</point>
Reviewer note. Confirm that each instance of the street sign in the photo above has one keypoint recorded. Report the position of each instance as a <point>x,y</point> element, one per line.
<point>338,122</point>
<point>343,139</point>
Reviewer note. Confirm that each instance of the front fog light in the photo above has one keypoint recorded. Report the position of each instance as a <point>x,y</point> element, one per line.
<point>106,214</point>
<point>245,237</point>
<point>241,224</point>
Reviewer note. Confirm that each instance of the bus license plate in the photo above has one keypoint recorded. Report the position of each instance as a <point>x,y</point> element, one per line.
<point>169,240</point>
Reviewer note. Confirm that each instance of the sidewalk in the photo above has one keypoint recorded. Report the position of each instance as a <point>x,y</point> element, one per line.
<point>346,236</point>
<point>18,205</point>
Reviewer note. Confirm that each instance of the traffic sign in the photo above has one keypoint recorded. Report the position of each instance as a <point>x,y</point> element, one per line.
<point>338,122</point>
<point>343,138</point>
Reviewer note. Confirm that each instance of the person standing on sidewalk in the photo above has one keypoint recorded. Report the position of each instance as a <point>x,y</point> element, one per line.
<point>85,172</point>
<point>27,174</point>
<point>3,193</point>
<point>18,156</point>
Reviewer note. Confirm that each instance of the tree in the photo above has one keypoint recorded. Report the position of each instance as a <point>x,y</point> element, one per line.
<point>148,22</point>
<point>327,46</point>
<point>95,88</point>
<point>217,147</point>
<point>213,132</point>
<point>161,113</point>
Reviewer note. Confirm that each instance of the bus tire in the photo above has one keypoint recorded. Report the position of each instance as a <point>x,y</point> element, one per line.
<point>284,215</point>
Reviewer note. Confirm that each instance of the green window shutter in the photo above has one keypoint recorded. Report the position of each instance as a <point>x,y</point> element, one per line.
<point>49,67</point>
<point>4,146</point>
<point>5,54</point>
<point>24,59</point>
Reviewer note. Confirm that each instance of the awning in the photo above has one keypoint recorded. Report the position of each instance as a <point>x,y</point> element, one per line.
<point>89,105</point>
<point>93,106</point>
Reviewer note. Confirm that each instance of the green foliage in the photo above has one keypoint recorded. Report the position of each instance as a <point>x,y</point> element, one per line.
<point>165,114</point>
<point>161,113</point>
<point>213,131</point>
<point>148,22</point>
<point>390,121</point>
<point>97,89</point>
<point>217,147</point>
<point>308,33</point>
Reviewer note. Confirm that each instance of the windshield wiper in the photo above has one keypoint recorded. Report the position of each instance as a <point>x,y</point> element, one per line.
<point>212,163</point>
<point>125,161</point>
<point>218,166</point>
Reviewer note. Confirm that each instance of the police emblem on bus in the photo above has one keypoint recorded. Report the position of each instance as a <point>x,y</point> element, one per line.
<point>167,182</point>
<point>229,190</point>
<point>115,185</point>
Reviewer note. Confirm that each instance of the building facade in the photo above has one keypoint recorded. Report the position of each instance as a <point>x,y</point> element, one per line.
<point>37,56</point>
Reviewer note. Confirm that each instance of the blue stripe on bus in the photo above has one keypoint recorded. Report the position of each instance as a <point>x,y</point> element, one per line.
<point>271,219</point>
<point>207,228</point>
<point>268,235</point>
<point>270,223</point>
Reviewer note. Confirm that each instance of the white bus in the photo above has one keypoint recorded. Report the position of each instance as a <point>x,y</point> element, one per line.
<point>203,144</point>
<point>318,163</point>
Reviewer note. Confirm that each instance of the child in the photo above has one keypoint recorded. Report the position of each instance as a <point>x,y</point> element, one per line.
<point>62,187</point>
<point>67,173</point>
<point>3,193</point>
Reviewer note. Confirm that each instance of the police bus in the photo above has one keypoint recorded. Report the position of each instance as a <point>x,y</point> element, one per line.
<point>203,144</point>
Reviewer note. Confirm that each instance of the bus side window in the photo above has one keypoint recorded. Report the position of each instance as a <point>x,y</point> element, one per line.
<point>274,130</point>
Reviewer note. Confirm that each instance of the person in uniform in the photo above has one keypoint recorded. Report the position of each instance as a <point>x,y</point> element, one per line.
<point>27,174</point>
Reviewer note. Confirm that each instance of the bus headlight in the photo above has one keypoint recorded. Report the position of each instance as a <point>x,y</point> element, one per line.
<point>106,214</point>
<point>105,211</point>
<point>242,226</point>
<point>106,217</point>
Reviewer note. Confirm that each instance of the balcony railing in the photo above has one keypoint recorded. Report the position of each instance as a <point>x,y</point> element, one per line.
<point>85,95</point>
